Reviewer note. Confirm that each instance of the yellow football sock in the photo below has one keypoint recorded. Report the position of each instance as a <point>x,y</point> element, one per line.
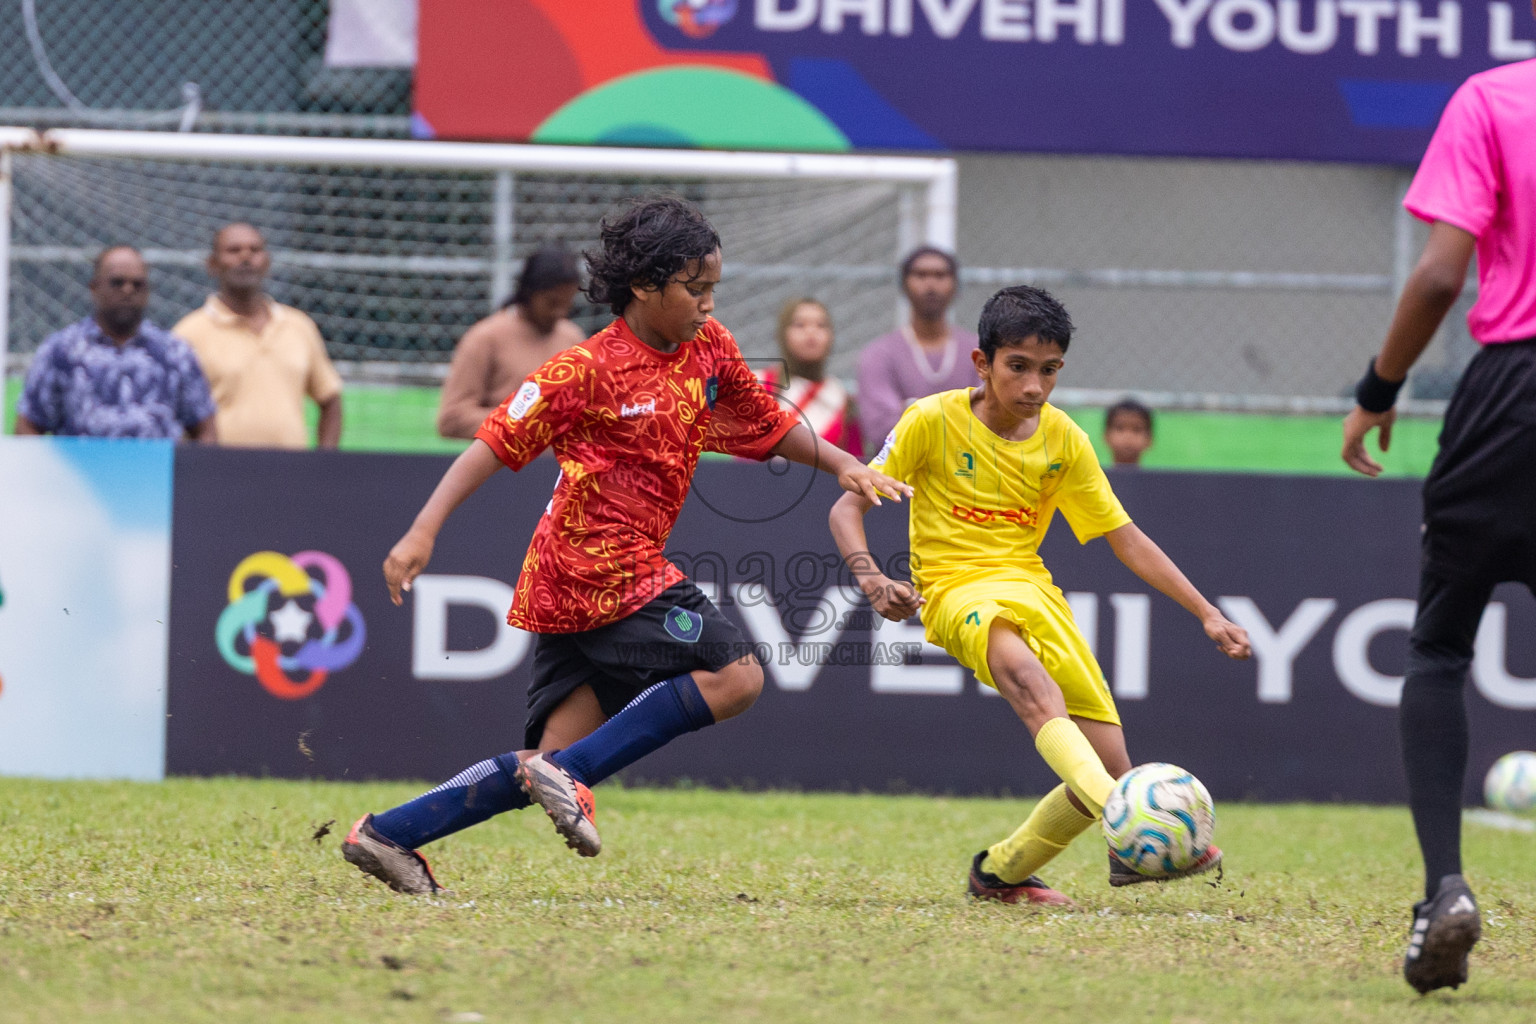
<point>1050,827</point>
<point>1073,759</point>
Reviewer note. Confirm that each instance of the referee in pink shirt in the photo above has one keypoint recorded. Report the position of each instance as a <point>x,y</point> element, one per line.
<point>1477,189</point>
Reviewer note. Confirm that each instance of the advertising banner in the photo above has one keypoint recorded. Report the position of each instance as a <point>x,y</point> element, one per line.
<point>85,560</point>
<point>288,659</point>
<point>1358,80</point>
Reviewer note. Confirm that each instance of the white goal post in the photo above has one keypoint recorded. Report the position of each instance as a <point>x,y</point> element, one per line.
<point>920,204</point>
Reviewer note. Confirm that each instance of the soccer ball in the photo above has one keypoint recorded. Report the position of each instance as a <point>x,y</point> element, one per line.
<point>1158,819</point>
<point>1511,782</point>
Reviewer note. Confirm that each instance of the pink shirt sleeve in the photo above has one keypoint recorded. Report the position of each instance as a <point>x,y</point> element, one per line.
<point>1458,179</point>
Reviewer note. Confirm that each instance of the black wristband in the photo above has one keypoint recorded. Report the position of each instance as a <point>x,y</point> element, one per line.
<point>1374,393</point>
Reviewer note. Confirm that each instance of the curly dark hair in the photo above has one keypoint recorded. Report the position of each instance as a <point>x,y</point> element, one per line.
<point>647,243</point>
<point>1016,313</point>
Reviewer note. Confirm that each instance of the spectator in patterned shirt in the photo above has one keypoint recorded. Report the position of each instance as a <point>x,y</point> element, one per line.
<point>115,374</point>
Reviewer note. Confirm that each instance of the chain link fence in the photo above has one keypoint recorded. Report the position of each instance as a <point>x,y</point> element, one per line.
<point>1245,285</point>
<point>394,265</point>
<point>1195,283</point>
<point>237,65</point>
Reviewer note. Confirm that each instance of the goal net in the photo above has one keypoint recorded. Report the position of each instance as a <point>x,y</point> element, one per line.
<point>396,247</point>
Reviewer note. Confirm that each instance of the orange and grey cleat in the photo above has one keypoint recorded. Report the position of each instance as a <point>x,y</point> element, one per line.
<point>1121,873</point>
<point>984,885</point>
<point>568,803</point>
<point>402,870</point>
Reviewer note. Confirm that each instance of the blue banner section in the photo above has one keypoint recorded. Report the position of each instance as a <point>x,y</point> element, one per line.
<point>1357,80</point>
<point>288,659</point>
<point>85,544</point>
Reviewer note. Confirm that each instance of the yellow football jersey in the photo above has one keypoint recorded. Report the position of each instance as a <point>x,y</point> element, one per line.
<point>982,503</point>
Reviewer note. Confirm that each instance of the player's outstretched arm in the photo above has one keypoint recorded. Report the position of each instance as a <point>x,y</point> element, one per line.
<point>1427,296</point>
<point>804,447</point>
<point>410,554</point>
<point>1143,557</point>
<point>896,600</point>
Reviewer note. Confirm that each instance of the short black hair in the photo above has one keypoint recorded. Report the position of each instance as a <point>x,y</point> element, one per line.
<point>549,267</point>
<point>929,250</point>
<point>1020,312</point>
<point>648,242</point>
<point>1130,407</point>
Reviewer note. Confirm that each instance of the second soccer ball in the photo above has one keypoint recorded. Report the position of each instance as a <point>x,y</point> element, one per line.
<point>1511,782</point>
<point>1159,819</point>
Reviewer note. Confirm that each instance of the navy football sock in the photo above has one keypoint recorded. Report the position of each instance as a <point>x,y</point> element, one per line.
<point>649,722</point>
<point>470,797</point>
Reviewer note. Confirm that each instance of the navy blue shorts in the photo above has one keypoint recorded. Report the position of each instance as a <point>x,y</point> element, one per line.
<point>678,631</point>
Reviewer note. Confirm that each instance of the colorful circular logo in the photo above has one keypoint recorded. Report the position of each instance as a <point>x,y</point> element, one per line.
<point>697,18</point>
<point>290,622</point>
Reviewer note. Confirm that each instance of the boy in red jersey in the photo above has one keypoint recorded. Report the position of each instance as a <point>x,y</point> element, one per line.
<point>627,412</point>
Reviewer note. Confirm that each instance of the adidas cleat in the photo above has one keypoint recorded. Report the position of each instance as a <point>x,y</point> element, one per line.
<point>984,885</point>
<point>1121,873</point>
<point>568,803</point>
<point>1445,929</point>
<point>402,870</point>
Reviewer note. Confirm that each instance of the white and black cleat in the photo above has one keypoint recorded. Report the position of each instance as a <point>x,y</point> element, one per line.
<point>1445,928</point>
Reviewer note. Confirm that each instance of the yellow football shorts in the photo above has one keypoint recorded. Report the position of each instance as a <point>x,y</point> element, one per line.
<point>959,618</point>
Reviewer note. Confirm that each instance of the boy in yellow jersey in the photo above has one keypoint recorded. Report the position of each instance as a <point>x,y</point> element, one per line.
<point>990,466</point>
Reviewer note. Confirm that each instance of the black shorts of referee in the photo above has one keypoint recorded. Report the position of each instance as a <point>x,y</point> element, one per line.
<point>1479,505</point>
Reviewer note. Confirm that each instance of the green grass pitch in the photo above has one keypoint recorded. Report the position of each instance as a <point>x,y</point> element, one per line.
<point>210,900</point>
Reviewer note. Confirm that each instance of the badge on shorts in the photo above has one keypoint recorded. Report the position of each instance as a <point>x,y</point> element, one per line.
<point>683,625</point>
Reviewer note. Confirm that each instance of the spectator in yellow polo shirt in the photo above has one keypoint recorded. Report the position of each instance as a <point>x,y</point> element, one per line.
<point>261,357</point>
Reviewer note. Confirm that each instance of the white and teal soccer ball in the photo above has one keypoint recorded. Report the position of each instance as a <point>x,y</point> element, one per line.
<point>1159,819</point>
<point>1511,782</point>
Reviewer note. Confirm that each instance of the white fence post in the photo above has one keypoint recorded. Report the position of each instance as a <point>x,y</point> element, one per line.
<point>504,233</point>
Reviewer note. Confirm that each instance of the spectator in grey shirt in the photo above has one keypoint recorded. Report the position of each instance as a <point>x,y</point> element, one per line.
<point>926,355</point>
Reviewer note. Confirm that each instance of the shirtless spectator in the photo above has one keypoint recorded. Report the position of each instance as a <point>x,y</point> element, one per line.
<point>495,354</point>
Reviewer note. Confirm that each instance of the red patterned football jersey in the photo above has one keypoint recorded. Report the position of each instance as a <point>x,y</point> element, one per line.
<point>627,424</point>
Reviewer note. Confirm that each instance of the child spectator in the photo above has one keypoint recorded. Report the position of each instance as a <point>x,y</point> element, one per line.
<point>1128,431</point>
